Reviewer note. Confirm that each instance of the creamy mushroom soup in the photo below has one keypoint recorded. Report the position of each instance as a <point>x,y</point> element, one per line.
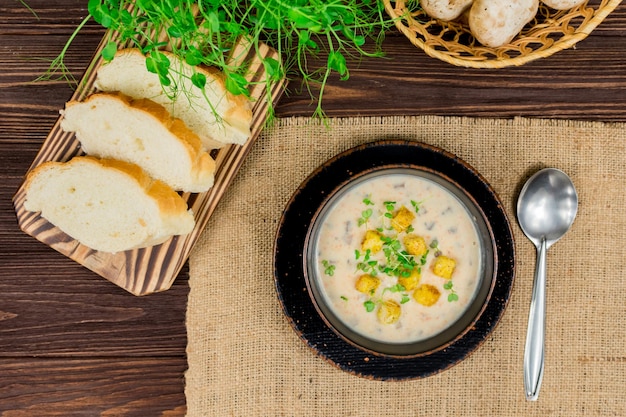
<point>397,257</point>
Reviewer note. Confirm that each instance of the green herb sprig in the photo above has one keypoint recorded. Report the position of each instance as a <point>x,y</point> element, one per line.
<point>435,246</point>
<point>452,295</point>
<point>369,305</point>
<point>329,269</point>
<point>329,32</point>
<point>365,216</point>
<point>398,288</point>
<point>398,261</point>
<point>366,263</point>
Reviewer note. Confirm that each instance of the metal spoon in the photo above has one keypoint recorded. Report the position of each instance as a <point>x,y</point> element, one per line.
<point>546,209</point>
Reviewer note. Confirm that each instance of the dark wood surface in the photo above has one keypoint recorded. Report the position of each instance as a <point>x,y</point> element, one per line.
<point>72,343</point>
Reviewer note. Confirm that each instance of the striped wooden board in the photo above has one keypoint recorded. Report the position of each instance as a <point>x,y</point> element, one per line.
<point>154,269</point>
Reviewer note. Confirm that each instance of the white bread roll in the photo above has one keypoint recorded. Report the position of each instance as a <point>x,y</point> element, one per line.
<point>223,119</point>
<point>562,4</point>
<point>445,9</point>
<point>141,132</point>
<point>107,205</point>
<point>496,22</point>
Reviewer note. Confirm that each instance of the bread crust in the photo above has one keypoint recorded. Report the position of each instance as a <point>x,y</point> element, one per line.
<point>227,122</point>
<point>173,216</point>
<point>202,165</point>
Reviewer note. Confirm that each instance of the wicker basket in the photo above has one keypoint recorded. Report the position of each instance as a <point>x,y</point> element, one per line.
<point>551,31</point>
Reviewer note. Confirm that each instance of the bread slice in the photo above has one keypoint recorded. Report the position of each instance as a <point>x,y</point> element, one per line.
<point>213,113</point>
<point>141,132</point>
<point>105,204</point>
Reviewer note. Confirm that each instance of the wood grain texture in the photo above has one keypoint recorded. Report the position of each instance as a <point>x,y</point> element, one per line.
<point>64,329</point>
<point>585,83</point>
<point>113,388</point>
<point>153,269</point>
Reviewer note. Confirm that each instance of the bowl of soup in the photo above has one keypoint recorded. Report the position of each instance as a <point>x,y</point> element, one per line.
<point>394,260</point>
<point>399,260</point>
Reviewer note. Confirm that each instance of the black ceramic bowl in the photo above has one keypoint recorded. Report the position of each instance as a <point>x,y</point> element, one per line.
<point>298,291</point>
<point>447,334</point>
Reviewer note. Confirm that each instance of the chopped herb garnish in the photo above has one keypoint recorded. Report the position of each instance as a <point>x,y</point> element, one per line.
<point>389,205</point>
<point>367,265</point>
<point>369,306</point>
<point>452,295</point>
<point>435,245</point>
<point>395,288</point>
<point>365,215</point>
<point>416,205</point>
<point>329,268</point>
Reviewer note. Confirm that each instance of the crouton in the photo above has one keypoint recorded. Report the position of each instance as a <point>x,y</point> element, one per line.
<point>372,241</point>
<point>415,245</point>
<point>389,312</point>
<point>412,280</point>
<point>367,284</point>
<point>402,219</point>
<point>426,294</point>
<point>443,266</point>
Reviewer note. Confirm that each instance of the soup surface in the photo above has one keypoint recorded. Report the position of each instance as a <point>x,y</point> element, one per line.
<point>398,257</point>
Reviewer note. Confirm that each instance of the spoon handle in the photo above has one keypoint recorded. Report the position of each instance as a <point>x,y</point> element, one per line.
<point>534,350</point>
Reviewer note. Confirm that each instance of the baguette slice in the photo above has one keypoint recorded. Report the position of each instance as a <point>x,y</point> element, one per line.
<point>127,73</point>
<point>142,132</point>
<point>105,204</point>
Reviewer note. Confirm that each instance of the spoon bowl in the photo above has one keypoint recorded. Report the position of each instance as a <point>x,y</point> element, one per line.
<point>546,210</point>
<point>547,206</point>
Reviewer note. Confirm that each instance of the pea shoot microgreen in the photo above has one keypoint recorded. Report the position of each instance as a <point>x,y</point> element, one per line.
<point>398,261</point>
<point>452,295</point>
<point>366,263</point>
<point>389,208</point>
<point>303,32</point>
<point>29,8</point>
<point>435,246</point>
<point>365,215</point>
<point>329,269</point>
<point>416,205</point>
<point>395,288</point>
<point>369,306</point>
<point>398,288</point>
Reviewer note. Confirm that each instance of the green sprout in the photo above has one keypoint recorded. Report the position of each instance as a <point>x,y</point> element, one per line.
<point>329,269</point>
<point>452,295</point>
<point>313,38</point>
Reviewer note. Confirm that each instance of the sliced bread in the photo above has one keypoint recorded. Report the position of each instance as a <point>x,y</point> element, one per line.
<point>142,132</point>
<point>107,205</point>
<point>213,113</point>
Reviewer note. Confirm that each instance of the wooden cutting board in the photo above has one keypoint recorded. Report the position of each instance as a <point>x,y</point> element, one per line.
<point>154,269</point>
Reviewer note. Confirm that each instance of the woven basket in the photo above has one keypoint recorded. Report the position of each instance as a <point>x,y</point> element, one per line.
<point>551,31</point>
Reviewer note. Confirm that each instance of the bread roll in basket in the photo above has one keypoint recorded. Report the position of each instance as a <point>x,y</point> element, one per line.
<point>452,42</point>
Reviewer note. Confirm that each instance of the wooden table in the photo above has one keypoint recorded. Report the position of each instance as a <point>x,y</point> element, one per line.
<point>71,343</point>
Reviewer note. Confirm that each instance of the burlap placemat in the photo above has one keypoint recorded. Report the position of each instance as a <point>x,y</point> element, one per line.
<point>245,359</point>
